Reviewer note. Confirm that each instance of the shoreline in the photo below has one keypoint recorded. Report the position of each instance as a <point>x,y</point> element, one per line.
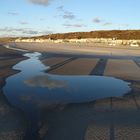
<point>67,48</point>
<point>14,48</point>
<point>101,110</point>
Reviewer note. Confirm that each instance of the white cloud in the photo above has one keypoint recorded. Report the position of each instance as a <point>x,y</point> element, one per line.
<point>69,15</point>
<point>10,31</point>
<point>40,2</point>
<point>108,24</point>
<point>74,25</point>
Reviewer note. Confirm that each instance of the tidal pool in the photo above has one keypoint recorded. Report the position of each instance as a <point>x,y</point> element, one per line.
<point>32,89</point>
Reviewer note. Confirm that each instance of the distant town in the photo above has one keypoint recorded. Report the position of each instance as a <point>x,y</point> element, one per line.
<point>112,38</point>
<point>109,41</point>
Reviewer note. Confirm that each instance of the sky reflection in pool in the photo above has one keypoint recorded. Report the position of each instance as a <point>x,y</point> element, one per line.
<point>33,88</point>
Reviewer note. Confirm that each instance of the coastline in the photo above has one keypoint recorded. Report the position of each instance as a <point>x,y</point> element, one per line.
<point>69,48</point>
<point>101,110</point>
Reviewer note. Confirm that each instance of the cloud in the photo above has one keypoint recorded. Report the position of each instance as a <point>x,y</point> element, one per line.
<point>74,25</point>
<point>69,15</point>
<point>10,31</point>
<point>18,30</point>
<point>45,32</point>
<point>124,25</point>
<point>13,13</point>
<point>115,24</point>
<point>65,13</point>
<point>60,8</point>
<point>42,19</point>
<point>40,2</point>
<point>97,20</point>
<point>107,23</point>
<point>45,81</point>
<point>103,22</point>
<point>24,22</point>
<point>30,32</point>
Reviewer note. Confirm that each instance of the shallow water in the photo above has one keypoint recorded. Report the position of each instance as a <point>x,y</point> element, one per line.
<point>32,85</point>
<point>32,89</point>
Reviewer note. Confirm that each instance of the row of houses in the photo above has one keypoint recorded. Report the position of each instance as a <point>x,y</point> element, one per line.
<point>109,41</point>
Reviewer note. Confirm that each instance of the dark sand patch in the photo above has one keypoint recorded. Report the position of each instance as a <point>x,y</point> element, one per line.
<point>123,69</point>
<point>13,123</point>
<point>81,66</point>
<point>85,122</point>
<point>5,63</point>
<point>99,68</point>
<point>4,52</point>
<point>58,65</point>
<point>53,61</point>
<point>102,105</point>
<point>124,104</point>
<point>94,132</point>
<point>126,132</point>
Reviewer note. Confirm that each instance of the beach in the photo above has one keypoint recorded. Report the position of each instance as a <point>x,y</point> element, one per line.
<point>13,123</point>
<point>80,48</point>
<point>105,118</point>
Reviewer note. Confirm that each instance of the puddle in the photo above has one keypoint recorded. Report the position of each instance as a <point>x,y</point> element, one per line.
<point>32,89</point>
<point>32,85</point>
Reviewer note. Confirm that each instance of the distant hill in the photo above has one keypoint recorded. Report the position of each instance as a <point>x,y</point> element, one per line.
<point>118,34</point>
<point>7,39</point>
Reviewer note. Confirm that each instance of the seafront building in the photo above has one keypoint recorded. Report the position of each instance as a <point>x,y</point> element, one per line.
<point>109,41</point>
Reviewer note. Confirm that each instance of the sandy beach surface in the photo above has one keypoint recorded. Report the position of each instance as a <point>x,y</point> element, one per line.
<point>80,49</point>
<point>13,123</point>
<point>114,118</point>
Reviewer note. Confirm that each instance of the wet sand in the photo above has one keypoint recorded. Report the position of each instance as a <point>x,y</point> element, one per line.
<point>123,69</point>
<point>111,118</point>
<point>79,49</point>
<point>126,69</point>
<point>81,66</point>
<point>13,124</point>
<point>54,60</point>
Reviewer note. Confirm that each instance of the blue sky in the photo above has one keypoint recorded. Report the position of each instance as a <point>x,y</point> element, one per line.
<point>38,17</point>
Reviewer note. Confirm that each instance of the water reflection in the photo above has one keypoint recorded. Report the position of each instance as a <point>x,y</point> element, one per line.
<point>72,89</point>
<point>31,90</point>
<point>45,81</point>
<point>38,88</point>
